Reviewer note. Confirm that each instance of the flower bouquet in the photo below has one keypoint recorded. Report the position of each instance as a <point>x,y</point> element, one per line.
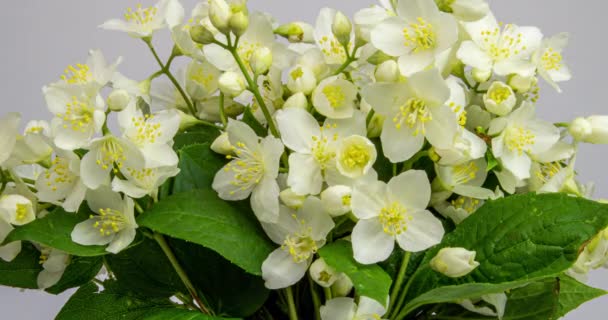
<point>389,166</point>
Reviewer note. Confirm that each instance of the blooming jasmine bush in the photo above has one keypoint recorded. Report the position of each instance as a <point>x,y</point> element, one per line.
<point>386,167</point>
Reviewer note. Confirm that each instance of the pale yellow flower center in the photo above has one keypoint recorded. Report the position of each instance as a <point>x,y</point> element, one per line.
<point>111,153</point>
<point>147,131</point>
<point>355,156</point>
<point>248,166</point>
<point>59,173</point>
<point>464,173</point>
<point>300,245</point>
<point>21,211</point>
<point>467,204</point>
<point>332,48</point>
<point>499,94</point>
<point>420,35</point>
<point>502,46</point>
<point>297,73</point>
<point>552,60</point>
<point>141,15</point>
<point>548,171</point>
<point>78,74</point>
<point>412,113</point>
<point>78,115</point>
<point>519,139</point>
<point>109,221</point>
<point>394,219</point>
<point>335,95</point>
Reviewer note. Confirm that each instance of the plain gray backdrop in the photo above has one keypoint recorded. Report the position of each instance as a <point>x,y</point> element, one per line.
<point>40,38</point>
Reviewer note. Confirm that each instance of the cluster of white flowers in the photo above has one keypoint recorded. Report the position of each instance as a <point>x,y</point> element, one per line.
<point>406,83</point>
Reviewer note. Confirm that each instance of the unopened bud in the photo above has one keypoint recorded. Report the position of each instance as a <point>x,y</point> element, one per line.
<point>521,84</point>
<point>301,79</point>
<point>336,200</point>
<point>454,262</point>
<point>261,60</point>
<point>232,83</point>
<point>291,199</point>
<point>592,129</point>
<point>500,99</point>
<point>481,75</point>
<point>292,31</point>
<point>323,274</point>
<point>222,145</point>
<point>297,101</point>
<point>342,27</point>
<point>239,22</point>
<point>387,71</point>
<point>186,120</point>
<point>342,287</point>
<point>201,35</point>
<point>220,14</point>
<point>580,129</point>
<point>118,100</point>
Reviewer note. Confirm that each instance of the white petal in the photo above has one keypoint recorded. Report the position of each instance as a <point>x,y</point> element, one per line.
<point>224,184</point>
<point>74,199</point>
<point>339,309</point>
<point>92,175</point>
<point>388,37</point>
<point>285,225</point>
<point>316,217</point>
<point>442,130</point>
<point>272,149</point>
<point>368,199</point>
<point>471,55</point>
<point>104,198</point>
<point>430,87</point>
<point>386,98</point>
<point>9,125</point>
<point>10,251</point>
<point>122,240</point>
<point>129,188</point>
<point>411,188</point>
<point>265,200</point>
<point>370,243</point>
<point>239,132</point>
<point>280,271</point>
<point>47,279</point>
<point>423,231</point>
<point>518,164</point>
<point>370,307</point>
<point>297,129</point>
<point>414,62</point>
<point>85,234</point>
<point>473,192</point>
<point>304,174</point>
<point>400,144</point>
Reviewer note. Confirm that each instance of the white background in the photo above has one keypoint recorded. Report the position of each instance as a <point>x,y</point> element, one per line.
<point>40,38</point>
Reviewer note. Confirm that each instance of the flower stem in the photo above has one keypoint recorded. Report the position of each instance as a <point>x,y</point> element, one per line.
<point>165,69</point>
<point>223,111</point>
<point>160,239</point>
<point>293,314</point>
<point>396,314</point>
<point>315,298</point>
<point>400,277</point>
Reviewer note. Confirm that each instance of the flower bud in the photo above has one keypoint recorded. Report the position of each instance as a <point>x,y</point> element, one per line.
<point>186,120</point>
<point>220,14</point>
<point>201,35</point>
<point>342,287</point>
<point>301,79</point>
<point>387,71</point>
<point>261,60</point>
<point>118,100</point>
<point>291,199</point>
<point>336,200</point>
<point>322,274</point>
<point>454,262</point>
<point>500,99</point>
<point>342,27</point>
<point>239,22</point>
<point>17,210</point>
<point>292,31</point>
<point>232,83</point>
<point>297,100</point>
<point>521,84</point>
<point>222,145</point>
<point>355,156</point>
<point>592,129</point>
<point>481,75</point>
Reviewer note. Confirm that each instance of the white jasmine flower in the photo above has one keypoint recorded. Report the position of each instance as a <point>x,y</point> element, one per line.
<point>337,200</point>
<point>300,233</point>
<point>142,181</point>
<point>417,35</point>
<point>113,223</point>
<point>414,111</point>
<point>467,146</point>
<point>9,129</point>
<point>95,71</point>
<point>367,18</point>
<point>16,209</point>
<point>323,274</point>
<point>503,52</point>
<point>108,154</point>
<point>181,33</point>
<point>355,156</point>
<point>459,208</point>
<point>593,129</point>
<point>201,79</point>
<point>335,98</point>
<point>79,113</point>
<point>454,262</point>
<point>521,135</point>
<point>314,146</point>
<point>301,79</point>
<point>253,171</point>
<point>500,99</point>
<point>54,263</point>
<point>465,179</point>
<point>393,211</point>
<point>333,51</point>
<point>550,62</point>
<point>151,133</point>
<point>61,184</point>
<point>347,309</point>
<point>144,22</point>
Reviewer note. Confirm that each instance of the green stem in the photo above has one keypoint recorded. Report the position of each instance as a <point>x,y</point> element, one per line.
<point>315,298</point>
<point>223,111</point>
<point>165,69</point>
<point>293,314</point>
<point>400,277</point>
<point>562,124</point>
<point>186,301</point>
<point>328,294</point>
<point>394,169</point>
<point>370,116</point>
<point>3,179</point>
<point>350,58</point>
<point>401,299</point>
<point>409,163</point>
<point>160,239</point>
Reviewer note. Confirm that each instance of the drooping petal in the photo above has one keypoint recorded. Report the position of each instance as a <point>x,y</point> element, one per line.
<point>280,271</point>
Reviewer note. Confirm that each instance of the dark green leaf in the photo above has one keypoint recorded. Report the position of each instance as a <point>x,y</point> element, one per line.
<point>518,239</point>
<point>198,165</point>
<point>383,166</point>
<point>23,271</point>
<point>201,217</point>
<point>227,288</point>
<point>54,230</point>
<point>80,271</point>
<point>252,122</point>
<point>195,135</point>
<point>369,280</point>
<point>90,303</point>
<point>146,270</point>
<point>572,294</point>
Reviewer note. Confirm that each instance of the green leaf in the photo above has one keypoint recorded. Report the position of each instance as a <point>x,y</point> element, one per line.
<point>23,271</point>
<point>572,294</point>
<point>518,239</point>
<point>369,280</point>
<point>147,270</point>
<point>54,230</point>
<point>383,166</point>
<point>80,271</point>
<point>198,165</point>
<point>199,216</point>
<point>90,303</point>
<point>195,135</point>
<point>227,288</point>
<point>252,122</point>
